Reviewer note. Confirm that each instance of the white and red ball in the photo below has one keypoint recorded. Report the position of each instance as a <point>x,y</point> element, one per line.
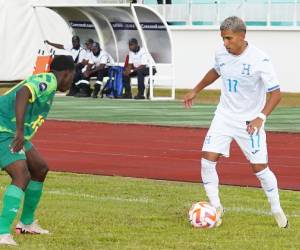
<point>203,215</point>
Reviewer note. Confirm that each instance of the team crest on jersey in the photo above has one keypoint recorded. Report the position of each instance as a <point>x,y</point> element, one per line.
<point>42,86</point>
<point>246,69</point>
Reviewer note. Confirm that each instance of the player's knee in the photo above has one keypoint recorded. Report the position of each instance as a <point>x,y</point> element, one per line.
<point>207,166</point>
<point>39,173</point>
<point>210,156</point>
<point>43,170</point>
<point>27,177</point>
<point>21,178</point>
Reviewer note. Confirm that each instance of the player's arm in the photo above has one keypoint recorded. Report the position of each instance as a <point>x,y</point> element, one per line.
<point>270,81</point>
<point>22,98</point>
<point>89,68</point>
<point>128,69</point>
<point>56,45</point>
<point>99,67</point>
<point>208,79</point>
<point>272,102</point>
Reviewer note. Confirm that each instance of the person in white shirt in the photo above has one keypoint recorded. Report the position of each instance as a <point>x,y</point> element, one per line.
<point>78,54</point>
<point>81,67</point>
<point>138,65</point>
<point>247,75</point>
<point>99,64</point>
<point>88,51</point>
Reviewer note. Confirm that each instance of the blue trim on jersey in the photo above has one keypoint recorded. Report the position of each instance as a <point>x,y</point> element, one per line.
<point>252,141</point>
<point>273,88</point>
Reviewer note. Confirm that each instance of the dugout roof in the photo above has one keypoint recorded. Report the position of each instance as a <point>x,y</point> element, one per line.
<point>114,24</point>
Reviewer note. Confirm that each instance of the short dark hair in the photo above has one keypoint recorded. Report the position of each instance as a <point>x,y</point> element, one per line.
<point>133,41</point>
<point>89,41</point>
<point>76,38</point>
<point>234,24</point>
<point>97,45</point>
<point>62,62</point>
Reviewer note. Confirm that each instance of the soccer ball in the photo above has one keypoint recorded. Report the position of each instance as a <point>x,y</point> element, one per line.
<point>203,215</point>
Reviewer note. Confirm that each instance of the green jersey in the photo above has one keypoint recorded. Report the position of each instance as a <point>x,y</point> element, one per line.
<point>42,88</point>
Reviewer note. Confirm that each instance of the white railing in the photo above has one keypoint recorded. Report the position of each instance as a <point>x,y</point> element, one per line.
<point>266,13</point>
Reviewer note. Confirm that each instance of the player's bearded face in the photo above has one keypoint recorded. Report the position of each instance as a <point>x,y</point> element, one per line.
<point>234,42</point>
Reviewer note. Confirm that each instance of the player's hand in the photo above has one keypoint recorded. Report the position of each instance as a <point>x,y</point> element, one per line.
<point>127,72</point>
<point>46,41</point>
<point>18,142</point>
<point>188,99</point>
<point>254,126</point>
<point>86,74</point>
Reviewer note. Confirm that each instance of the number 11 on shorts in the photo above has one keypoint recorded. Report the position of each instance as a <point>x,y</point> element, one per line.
<point>232,85</point>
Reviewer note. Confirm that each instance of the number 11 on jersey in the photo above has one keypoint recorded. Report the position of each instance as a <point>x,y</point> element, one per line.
<point>232,85</point>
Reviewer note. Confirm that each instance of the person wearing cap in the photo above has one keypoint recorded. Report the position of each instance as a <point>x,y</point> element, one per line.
<point>138,66</point>
<point>81,67</point>
<point>78,54</point>
<point>88,50</point>
<point>98,65</point>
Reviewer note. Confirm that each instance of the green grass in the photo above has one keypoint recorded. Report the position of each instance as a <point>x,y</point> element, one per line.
<point>96,212</point>
<point>170,113</point>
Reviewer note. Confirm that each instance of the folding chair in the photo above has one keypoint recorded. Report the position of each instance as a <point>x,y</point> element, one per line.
<point>42,63</point>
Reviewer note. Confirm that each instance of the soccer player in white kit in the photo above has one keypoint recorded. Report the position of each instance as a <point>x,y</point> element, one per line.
<point>247,75</point>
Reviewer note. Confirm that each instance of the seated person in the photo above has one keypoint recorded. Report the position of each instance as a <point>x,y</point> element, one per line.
<point>88,51</point>
<point>98,65</point>
<point>138,65</point>
<point>79,55</point>
<point>81,67</point>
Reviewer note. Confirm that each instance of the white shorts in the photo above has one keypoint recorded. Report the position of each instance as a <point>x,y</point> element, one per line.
<point>223,130</point>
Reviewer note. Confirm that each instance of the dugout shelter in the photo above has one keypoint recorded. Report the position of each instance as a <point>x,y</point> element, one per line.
<point>110,24</point>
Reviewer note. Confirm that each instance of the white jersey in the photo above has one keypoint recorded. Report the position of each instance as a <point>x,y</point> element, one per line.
<point>140,58</point>
<point>78,55</point>
<point>245,80</point>
<point>88,55</point>
<point>102,58</point>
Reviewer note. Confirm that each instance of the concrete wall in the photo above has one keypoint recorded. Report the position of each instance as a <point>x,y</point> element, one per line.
<point>194,54</point>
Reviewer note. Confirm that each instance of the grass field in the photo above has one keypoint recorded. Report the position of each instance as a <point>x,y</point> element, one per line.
<point>96,212</point>
<point>170,113</point>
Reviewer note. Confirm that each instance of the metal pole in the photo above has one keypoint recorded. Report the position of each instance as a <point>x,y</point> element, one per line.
<point>218,12</point>
<point>269,13</point>
<point>189,9</point>
<point>295,13</point>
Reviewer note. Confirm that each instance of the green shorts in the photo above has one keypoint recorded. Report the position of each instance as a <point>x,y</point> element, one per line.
<point>7,157</point>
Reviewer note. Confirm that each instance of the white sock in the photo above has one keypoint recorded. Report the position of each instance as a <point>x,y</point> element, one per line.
<point>210,181</point>
<point>269,184</point>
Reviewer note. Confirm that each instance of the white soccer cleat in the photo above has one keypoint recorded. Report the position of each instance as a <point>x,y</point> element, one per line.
<point>220,212</point>
<point>281,219</point>
<point>7,239</point>
<point>33,228</point>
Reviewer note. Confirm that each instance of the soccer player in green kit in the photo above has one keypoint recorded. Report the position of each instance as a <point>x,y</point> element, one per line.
<point>22,111</point>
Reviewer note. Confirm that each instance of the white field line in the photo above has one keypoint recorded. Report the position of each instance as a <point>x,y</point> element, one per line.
<point>146,200</point>
<point>98,198</point>
<point>93,197</point>
<point>256,211</point>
